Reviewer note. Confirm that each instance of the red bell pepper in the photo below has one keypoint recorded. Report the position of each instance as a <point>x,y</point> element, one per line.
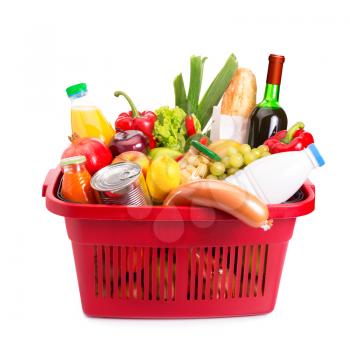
<point>294,139</point>
<point>134,120</point>
<point>204,140</point>
<point>189,123</point>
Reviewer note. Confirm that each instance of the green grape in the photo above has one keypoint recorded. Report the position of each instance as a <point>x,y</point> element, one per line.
<point>231,151</point>
<point>263,148</point>
<point>236,160</point>
<point>231,171</point>
<point>257,152</point>
<point>217,168</point>
<point>211,177</point>
<point>245,148</point>
<point>249,157</point>
<point>226,162</point>
<point>265,154</point>
<point>222,177</point>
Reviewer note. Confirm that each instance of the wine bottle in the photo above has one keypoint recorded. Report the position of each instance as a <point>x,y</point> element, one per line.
<point>268,117</point>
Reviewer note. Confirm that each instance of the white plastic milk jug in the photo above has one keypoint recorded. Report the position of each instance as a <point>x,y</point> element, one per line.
<point>274,179</point>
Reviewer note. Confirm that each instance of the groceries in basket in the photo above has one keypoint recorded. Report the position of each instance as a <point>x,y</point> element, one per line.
<point>121,184</point>
<point>164,151</point>
<point>276,178</point>
<point>162,177</point>
<point>135,157</point>
<point>222,196</point>
<point>76,181</point>
<point>134,120</point>
<point>196,162</point>
<point>293,139</point>
<point>86,119</point>
<point>170,128</point>
<point>96,152</point>
<point>129,140</point>
<point>237,157</point>
<point>232,120</point>
<point>268,117</point>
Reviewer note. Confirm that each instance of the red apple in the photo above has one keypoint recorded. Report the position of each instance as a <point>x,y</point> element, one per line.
<point>135,157</point>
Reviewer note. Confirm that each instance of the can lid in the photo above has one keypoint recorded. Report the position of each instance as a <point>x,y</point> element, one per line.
<point>73,160</point>
<point>76,89</point>
<point>115,177</point>
<point>205,150</point>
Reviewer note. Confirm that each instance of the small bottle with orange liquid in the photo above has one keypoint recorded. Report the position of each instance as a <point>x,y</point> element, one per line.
<point>86,119</point>
<point>76,181</point>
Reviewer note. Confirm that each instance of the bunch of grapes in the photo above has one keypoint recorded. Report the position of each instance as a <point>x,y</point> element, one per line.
<point>236,158</point>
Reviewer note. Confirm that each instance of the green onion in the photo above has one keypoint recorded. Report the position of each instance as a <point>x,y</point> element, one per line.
<point>197,66</point>
<point>180,93</point>
<point>216,89</point>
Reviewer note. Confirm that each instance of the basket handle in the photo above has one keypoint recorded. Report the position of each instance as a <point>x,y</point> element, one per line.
<point>50,177</point>
<point>308,183</point>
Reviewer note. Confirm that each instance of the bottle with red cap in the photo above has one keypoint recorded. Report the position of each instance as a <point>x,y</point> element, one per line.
<point>268,116</point>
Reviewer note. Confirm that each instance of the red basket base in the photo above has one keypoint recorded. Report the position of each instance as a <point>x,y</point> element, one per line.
<point>144,282</point>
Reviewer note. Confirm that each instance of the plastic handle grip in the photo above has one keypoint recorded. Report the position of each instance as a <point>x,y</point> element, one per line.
<point>50,177</point>
<point>308,183</point>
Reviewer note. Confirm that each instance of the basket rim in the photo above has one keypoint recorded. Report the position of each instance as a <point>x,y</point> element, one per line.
<point>161,213</point>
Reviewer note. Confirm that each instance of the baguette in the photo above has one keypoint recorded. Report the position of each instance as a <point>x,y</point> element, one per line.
<point>240,96</point>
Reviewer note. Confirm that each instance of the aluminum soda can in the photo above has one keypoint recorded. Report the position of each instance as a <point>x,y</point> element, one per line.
<point>121,184</point>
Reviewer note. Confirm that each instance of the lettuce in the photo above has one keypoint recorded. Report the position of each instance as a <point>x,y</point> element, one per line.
<point>169,128</point>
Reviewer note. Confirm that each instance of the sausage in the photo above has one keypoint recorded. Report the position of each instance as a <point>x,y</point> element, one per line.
<point>224,196</point>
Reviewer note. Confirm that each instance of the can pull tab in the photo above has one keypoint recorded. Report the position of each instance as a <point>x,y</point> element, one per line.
<point>129,174</point>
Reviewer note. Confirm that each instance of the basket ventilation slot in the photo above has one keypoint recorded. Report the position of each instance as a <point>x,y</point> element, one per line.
<point>134,273</point>
<point>227,272</point>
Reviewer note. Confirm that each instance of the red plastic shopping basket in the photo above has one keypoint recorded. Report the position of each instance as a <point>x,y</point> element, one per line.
<point>172,262</point>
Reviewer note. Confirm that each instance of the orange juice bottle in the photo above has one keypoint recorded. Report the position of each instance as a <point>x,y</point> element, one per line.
<point>86,119</point>
<point>76,181</point>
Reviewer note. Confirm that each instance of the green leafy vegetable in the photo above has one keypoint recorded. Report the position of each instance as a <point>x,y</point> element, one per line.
<point>197,67</point>
<point>216,89</point>
<point>168,128</point>
<point>213,95</point>
<point>180,93</point>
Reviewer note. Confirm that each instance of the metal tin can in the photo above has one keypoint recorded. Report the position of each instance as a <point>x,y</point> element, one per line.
<point>121,184</point>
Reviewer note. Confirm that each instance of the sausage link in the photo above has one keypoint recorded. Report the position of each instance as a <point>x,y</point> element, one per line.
<point>224,196</point>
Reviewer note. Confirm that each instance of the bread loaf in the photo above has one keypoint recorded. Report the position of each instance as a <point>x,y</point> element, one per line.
<point>240,97</point>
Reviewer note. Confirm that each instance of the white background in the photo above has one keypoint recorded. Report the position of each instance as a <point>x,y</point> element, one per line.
<point>139,46</point>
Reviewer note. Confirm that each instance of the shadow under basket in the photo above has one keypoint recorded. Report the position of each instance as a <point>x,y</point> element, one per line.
<point>175,262</point>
